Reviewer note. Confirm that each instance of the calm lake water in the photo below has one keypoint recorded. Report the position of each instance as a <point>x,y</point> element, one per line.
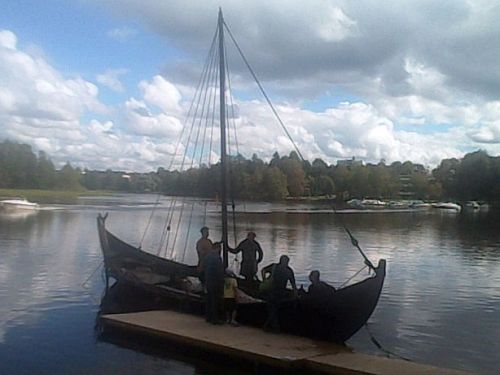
<point>440,304</point>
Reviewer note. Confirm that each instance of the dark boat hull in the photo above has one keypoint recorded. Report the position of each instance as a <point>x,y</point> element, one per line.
<point>334,319</point>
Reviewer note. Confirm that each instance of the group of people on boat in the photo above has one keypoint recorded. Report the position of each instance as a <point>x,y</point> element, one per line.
<point>221,284</point>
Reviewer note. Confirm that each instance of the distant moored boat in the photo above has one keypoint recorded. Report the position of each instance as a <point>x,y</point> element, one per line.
<point>447,206</point>
<point>473,205</point>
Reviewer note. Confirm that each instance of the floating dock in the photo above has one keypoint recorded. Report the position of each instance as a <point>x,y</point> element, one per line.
<point>253,344</point>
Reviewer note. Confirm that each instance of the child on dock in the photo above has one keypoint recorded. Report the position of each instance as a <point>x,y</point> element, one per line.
<point>230,286</point>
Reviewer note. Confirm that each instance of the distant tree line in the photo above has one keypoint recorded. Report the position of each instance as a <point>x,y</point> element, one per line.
<point>21,168</point>
<point>474,177</point>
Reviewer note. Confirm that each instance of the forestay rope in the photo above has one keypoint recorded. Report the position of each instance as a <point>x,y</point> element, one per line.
<point>354,241</point>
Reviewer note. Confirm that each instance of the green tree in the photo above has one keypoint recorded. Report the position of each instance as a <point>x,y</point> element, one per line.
<point>446,175</point>
<point>295,176</point>
<point>46,177</point>
<point>325,185</point>
<point>274,183</point>
<point>68,178</point>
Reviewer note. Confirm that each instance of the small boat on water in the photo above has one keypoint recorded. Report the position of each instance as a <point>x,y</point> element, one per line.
<point>373,203</point>
<point>447,206</point>
<point>476,206</point>
<point>472,205</point>
<point>335,317</point>
<point>365,204</point>
<point>419,205</point>
<point>18,204</point>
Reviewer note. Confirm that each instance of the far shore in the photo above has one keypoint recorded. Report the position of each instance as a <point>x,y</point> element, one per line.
<point>71,196</point>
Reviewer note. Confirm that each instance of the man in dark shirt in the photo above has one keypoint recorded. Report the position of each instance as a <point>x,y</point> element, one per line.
<point>319,291</point>
<point>281,274</point>
<point>251,256</point>
<point>203,246</point>
<point>213,270</point>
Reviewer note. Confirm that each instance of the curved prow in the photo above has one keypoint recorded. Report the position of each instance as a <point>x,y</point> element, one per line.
<point>356,303</point>
<point>380,269</point>
<point>103,239</point>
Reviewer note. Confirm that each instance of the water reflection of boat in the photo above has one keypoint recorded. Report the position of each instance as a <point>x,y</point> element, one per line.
<point>16,215</point>
<point>18,204</point>
<point>447,206</point>
<point>334,318</point>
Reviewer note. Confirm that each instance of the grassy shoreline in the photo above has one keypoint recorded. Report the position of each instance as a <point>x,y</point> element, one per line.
<point>51,196</point>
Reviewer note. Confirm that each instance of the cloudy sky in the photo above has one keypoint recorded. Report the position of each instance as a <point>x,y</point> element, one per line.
<point>107,83</point>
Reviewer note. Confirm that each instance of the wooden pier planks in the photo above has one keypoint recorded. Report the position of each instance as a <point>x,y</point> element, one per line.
<point>244,342</point>
<point>256,345</point>
<point>362,364</point>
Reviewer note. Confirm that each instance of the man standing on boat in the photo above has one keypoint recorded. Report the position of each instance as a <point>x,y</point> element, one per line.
<point>281,274</point>
<point>213,270</point>
<point>203,247</point>
<point>251,256</point>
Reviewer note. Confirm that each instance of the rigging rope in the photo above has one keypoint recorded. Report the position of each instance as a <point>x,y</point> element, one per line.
<point>149,220</point>
<point>167,225</point>
<point>354,241</point>
<point>196,142</point>
<point>263,91</point>
<point>352,277</point>
<point>84,284</point>
<point>192,145</point>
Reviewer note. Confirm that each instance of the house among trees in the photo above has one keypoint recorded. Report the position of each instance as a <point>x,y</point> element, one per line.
<point>349,162</point>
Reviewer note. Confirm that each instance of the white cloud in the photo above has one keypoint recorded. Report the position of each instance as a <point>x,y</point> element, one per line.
<point>161,93</point>
<point>334,25</point>
<point>111,79</point>
<point>350,129</point>
<point>8,39</point>
<point>400,75</point>
<point>141,121</point>
<point>424,80</point>
<point>38,105</point>
<point>487,132</point>
<point>33,89</point>
<point>121,34</point>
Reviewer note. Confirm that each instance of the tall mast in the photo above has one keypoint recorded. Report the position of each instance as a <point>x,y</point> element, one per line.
<point>223,163</point>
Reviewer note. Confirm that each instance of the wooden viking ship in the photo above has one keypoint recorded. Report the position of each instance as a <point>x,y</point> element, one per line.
<point>336,318</point>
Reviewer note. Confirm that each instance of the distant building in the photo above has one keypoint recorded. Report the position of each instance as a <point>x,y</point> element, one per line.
<point>349,162</point>
<point>407,189</point>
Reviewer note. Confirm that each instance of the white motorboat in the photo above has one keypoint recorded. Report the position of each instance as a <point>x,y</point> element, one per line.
<point>447,206</point>
<point>18,204</point>
<point>375,203</point>
<point>366,203</point>
<point>419,205</point>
